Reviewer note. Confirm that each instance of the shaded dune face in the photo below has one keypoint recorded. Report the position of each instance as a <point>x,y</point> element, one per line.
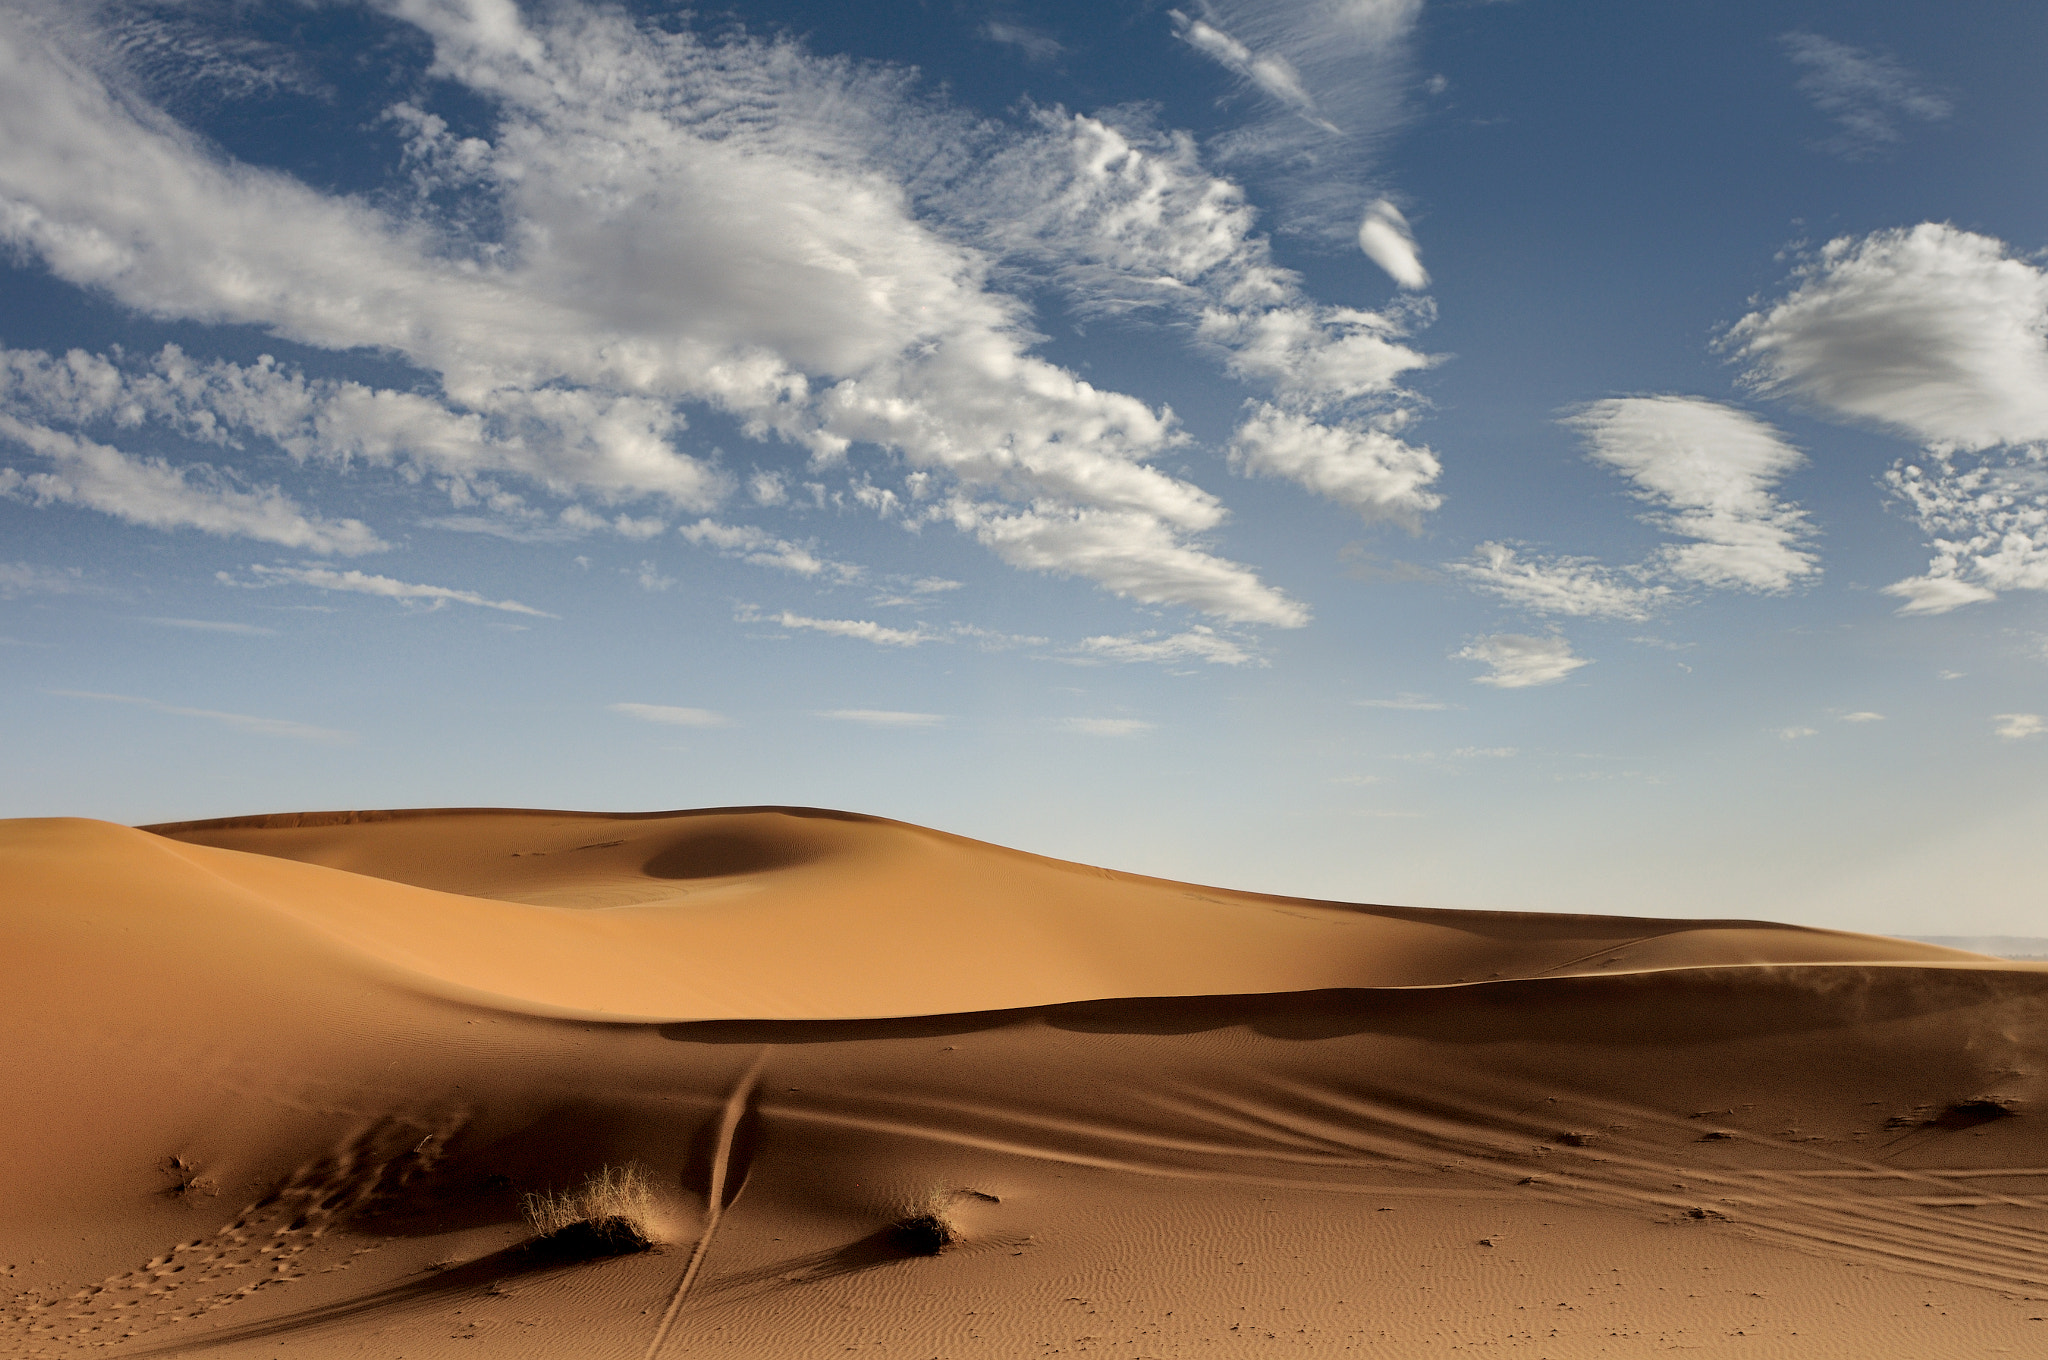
<point>281,1085</point>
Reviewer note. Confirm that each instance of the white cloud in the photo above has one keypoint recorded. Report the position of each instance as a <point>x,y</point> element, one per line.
<point>1126,221</point>
<point>1366,469</point>
<point>2020,726</point>
<point>215,626</point>
<point>1714,467</point>
<point>670,716</point>
<point>385,587</point>
<point>863,630</point>
<point>882,717</point>
<point>1935,594</point>
<point>1105,727</point>
<point>1035,45</point>
<point>1797,733</point>
<point>18,579</point>
<point>729,224</point>
<point>1485,753</point>
<point>1939,333</point>
<point>1335,76</point>
<point>1518,660</point>
<point>1197,644</point>
<point>1271,73</point>
<point>1865,93</point>
<point>1420,703</point>
<point>756,545</point>
<point>651,579</point>
<point>1135,555</point>
<point>1576,586</point>
<point>1385,238</point>
<point>152,493</point>
<point>1864,716</point>
<point>1942,335</point>
<point>1988,522</point>
<point>241,722</point>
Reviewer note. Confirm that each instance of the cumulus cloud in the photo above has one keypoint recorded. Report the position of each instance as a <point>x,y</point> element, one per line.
<point>384,587</point>
<point>1941,335</point>
<point>1713,468</point>
<point>1518,660</point>
<point>1576,586</point>
<point>732,224</point>
<point>669,716</point>
<point>1366,469</point>
<point>1126,221</point>
<point>1865,93</point>
<point>153,493</point>
<point>883,717</point>
<point>241,722</point>
<point>2019,726</point>
<point>1385,238</point>
<point>1797,733</point>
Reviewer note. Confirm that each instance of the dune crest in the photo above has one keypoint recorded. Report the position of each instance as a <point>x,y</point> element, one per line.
<point>664,915</point>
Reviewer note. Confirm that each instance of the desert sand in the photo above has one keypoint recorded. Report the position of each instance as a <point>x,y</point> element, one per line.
<point>281,1087</point>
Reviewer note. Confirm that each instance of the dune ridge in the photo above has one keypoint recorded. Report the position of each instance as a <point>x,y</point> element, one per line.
<point>279,1085</point>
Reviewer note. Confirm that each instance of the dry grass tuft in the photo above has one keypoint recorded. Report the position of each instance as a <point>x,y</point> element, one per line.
<point>612,1214</point>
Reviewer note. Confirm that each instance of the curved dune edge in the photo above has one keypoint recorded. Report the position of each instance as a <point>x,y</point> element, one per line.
<point>803,914</point>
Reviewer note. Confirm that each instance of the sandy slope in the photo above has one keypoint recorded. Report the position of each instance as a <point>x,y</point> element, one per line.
<point>274,1087</point>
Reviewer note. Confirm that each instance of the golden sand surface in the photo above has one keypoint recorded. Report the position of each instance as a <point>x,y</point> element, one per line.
<point>279,1086</point>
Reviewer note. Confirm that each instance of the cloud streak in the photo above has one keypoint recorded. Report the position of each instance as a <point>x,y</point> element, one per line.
<point>1865,93</point>
<point>241,722</point>
<point>383,587</point>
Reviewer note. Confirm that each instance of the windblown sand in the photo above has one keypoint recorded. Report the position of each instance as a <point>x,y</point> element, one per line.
<point>281,1087</point>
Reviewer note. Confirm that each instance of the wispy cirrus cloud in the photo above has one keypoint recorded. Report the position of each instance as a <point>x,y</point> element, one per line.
<point>752,544</point>
<point>241,722</point>
<point>1865,93</point>
<point>215,626</point>
<point>154,494</point>
<point>1197,644</point>
<point>1105,727</point>
<point>19,579</point>
<point>860,630</point>
<point>668,715</point>
<point>384,587</point>
<point>1712,471</point>
<point>883,717</point>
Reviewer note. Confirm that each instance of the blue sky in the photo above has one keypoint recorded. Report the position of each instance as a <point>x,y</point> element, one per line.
<point>1511,455</point>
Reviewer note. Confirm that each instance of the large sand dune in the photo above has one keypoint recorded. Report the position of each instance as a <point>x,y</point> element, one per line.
<point>276,1086</point>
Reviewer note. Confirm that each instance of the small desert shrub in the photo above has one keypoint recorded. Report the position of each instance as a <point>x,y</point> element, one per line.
<point>931,1227</point>
<point>611,1214</point>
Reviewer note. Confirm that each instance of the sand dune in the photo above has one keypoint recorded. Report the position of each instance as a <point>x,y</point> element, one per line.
<point>277,1085</point>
